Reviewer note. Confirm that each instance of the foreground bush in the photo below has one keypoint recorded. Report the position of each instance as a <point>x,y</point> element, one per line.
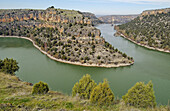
<point>102,94</point>
<point>9,66</point>
<point>40,88</point>
<point>140,95</point>
<point>84,87</point>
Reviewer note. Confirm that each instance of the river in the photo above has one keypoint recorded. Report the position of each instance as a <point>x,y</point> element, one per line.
<point>149,65</point>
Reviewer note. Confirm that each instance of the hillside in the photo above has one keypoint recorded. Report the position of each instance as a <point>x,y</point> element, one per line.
<point>117,18</point>
<point>66,35</point>
<point>16,95</point>
<point>151,29</point>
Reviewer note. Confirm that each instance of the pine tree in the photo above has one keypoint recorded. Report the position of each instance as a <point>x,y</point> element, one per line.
<point>9,66</point>
<point>140,95</point>
<point>84,87</point>
<point>40,88</point>
<point>102,94</point>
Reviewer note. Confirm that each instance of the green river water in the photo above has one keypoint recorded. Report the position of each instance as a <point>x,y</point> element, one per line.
<point>149,65</point>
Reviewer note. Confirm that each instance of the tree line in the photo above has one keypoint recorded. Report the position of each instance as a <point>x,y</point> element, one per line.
<point>140,95</point>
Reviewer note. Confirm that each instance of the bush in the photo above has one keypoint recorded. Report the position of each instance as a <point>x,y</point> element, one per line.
<point>102,94</point>
<point>73,37</point>
<point>84,87</point>
<point>40,88</point>
<point>116,50</point>
<point>70,25</point>
<point>9,66</point>
<point>98,57</point>
<point>69,105</point>
<point>140,95</point>
<point>124,55</point>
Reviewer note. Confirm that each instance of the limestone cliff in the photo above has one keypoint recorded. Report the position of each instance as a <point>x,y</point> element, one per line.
<point>154,12</point>
<point>51,15</point>
<point>53,18</point>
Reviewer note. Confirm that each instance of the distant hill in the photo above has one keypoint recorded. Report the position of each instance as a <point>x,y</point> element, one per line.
<point>117,18</point>
<point>150,29</point>
<point>93,18</point>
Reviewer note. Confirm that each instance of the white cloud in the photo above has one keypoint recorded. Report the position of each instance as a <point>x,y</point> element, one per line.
<point>133,1</point>
<point>142,1</point>
<point>139,0</point>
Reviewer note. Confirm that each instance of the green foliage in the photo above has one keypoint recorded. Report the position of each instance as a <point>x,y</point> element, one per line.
<point>40,88</point>
<point>102,94</point>
<point>69,105</point>
<point>107,44</point>
<point>84,87</point>
<point>140,95</point>
<point>70,25</point>
<point>124,55</point>
<point>98,57</point>
<point>51,7</point>
<point>73,37</point>
<point>9,66</point>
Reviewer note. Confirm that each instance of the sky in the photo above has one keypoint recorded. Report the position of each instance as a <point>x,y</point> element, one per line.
<point>98,7</point>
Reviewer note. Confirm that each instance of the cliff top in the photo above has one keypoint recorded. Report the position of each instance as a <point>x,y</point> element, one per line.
<point>156,11</point>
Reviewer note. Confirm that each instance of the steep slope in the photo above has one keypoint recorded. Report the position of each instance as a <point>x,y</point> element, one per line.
<point>151,29</point>
<point>117,18</point>
<point>66,35</point>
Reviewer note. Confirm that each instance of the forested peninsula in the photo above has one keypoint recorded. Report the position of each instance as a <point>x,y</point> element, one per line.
<point>67,36</point>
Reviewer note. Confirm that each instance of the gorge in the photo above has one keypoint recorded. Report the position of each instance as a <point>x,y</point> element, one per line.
<point>35,66</point>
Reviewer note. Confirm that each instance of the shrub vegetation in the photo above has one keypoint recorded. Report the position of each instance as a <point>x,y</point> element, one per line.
<point>40,88</point>
<point>102,94</point>
<point>140,95</point>
<point>84,87</point>
<point>9,66</point>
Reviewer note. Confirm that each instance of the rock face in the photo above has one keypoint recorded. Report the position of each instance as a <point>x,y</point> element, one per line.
<point>54,18</point>
<point>117,18</point>
<point>51,15</point>
<point>151,29</point>
<point>67,35</point>
<point>154,12</point>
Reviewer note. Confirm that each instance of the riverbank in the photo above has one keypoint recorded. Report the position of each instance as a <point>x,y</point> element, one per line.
<point>68,62</point>
<point>146,46</point>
